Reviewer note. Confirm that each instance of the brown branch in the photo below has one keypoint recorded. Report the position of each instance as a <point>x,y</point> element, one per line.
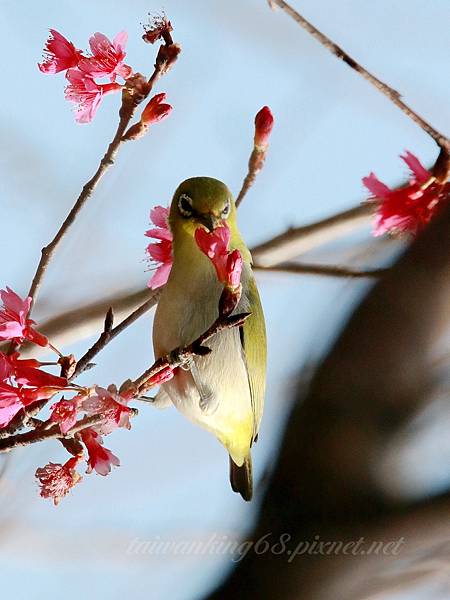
<point>382,87</point>
<point>255,164</point>
<point>134,92</point>
<point>54,432</point>
<point>327,270</point>
<point>297,240</point>
<point>106,162</point>
<point>179,356</point>
<point>109,334</point>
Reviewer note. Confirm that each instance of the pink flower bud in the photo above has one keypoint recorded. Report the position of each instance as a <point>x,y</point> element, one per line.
<point>263,127</point>
<point>162,376</point>
<point>234,269</point>
<point>100,458</point>
<point>155,110</point>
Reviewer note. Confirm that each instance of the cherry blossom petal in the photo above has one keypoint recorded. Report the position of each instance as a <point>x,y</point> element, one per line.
<point>160,276</point>
<point>376,187</point>
<point>64,413</point>
<point>159,215</point>
<point>59,54</point>
<point>14,324</point>
<point>160,253</point>
<point>421,175</point>
<point>100,458</point>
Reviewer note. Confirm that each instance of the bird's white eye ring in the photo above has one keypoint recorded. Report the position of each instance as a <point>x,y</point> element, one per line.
<point>185,205</point>
<point>226,210</point>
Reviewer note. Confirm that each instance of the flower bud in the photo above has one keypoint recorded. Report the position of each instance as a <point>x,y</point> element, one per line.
<point>263,127</point>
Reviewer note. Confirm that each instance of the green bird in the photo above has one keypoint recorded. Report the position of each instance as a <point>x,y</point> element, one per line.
<point>222,392</point>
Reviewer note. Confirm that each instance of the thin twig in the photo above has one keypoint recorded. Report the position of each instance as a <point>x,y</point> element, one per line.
<point>255,164</point>
<point>298,240</point>
<point>385,89</point>
<point>37,435</point>
<point>327,270</point>
<point>131,98</point>
<point>107,336</point>
<point>106,162</point>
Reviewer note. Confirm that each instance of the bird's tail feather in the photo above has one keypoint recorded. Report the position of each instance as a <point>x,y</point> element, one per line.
<point>241,478</point>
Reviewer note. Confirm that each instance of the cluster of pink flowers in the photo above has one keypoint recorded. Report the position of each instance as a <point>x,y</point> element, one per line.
<point>106,61</point>
<point>57,480</point>
<point>23,382</point>
<point>411,208</point>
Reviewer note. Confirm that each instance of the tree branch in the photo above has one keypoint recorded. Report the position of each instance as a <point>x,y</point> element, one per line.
<point>134,92</point>
<point>298,240</point>
<point>180,356</point>
<point>382,87</point>
<point>54,432</point>
<point>327,270</point>
<point>109,334</point>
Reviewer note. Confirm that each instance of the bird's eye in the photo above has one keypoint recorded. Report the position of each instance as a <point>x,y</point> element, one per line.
<point>226,210</point>
<point>185,205</point>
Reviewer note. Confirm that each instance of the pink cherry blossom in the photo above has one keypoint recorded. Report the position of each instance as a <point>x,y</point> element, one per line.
<point>86,94</point>
<point>57,480</point>
<point>408,209</point>
<point>65,413</point>
<point>59,54</point>
<point>14,379</point>
<point>263,127</point>
<point>10,403</point>
<point>107,57</point>
<point>14,324</point>
<point>26,372</point>
<point>111,405</point>
<point>30,395</point>
<point>100,459</point>
<point>160,253</point>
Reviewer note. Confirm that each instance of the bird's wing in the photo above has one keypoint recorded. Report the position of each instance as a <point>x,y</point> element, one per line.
<point>253,339</point>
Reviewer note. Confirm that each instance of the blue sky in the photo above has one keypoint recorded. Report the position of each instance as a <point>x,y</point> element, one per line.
<point>331,129</point>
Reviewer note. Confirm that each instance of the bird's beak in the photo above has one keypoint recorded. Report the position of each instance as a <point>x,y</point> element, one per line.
<point>210,221</point>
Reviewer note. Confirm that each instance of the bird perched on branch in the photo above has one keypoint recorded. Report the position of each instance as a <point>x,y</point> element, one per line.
<point>223,391</point>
